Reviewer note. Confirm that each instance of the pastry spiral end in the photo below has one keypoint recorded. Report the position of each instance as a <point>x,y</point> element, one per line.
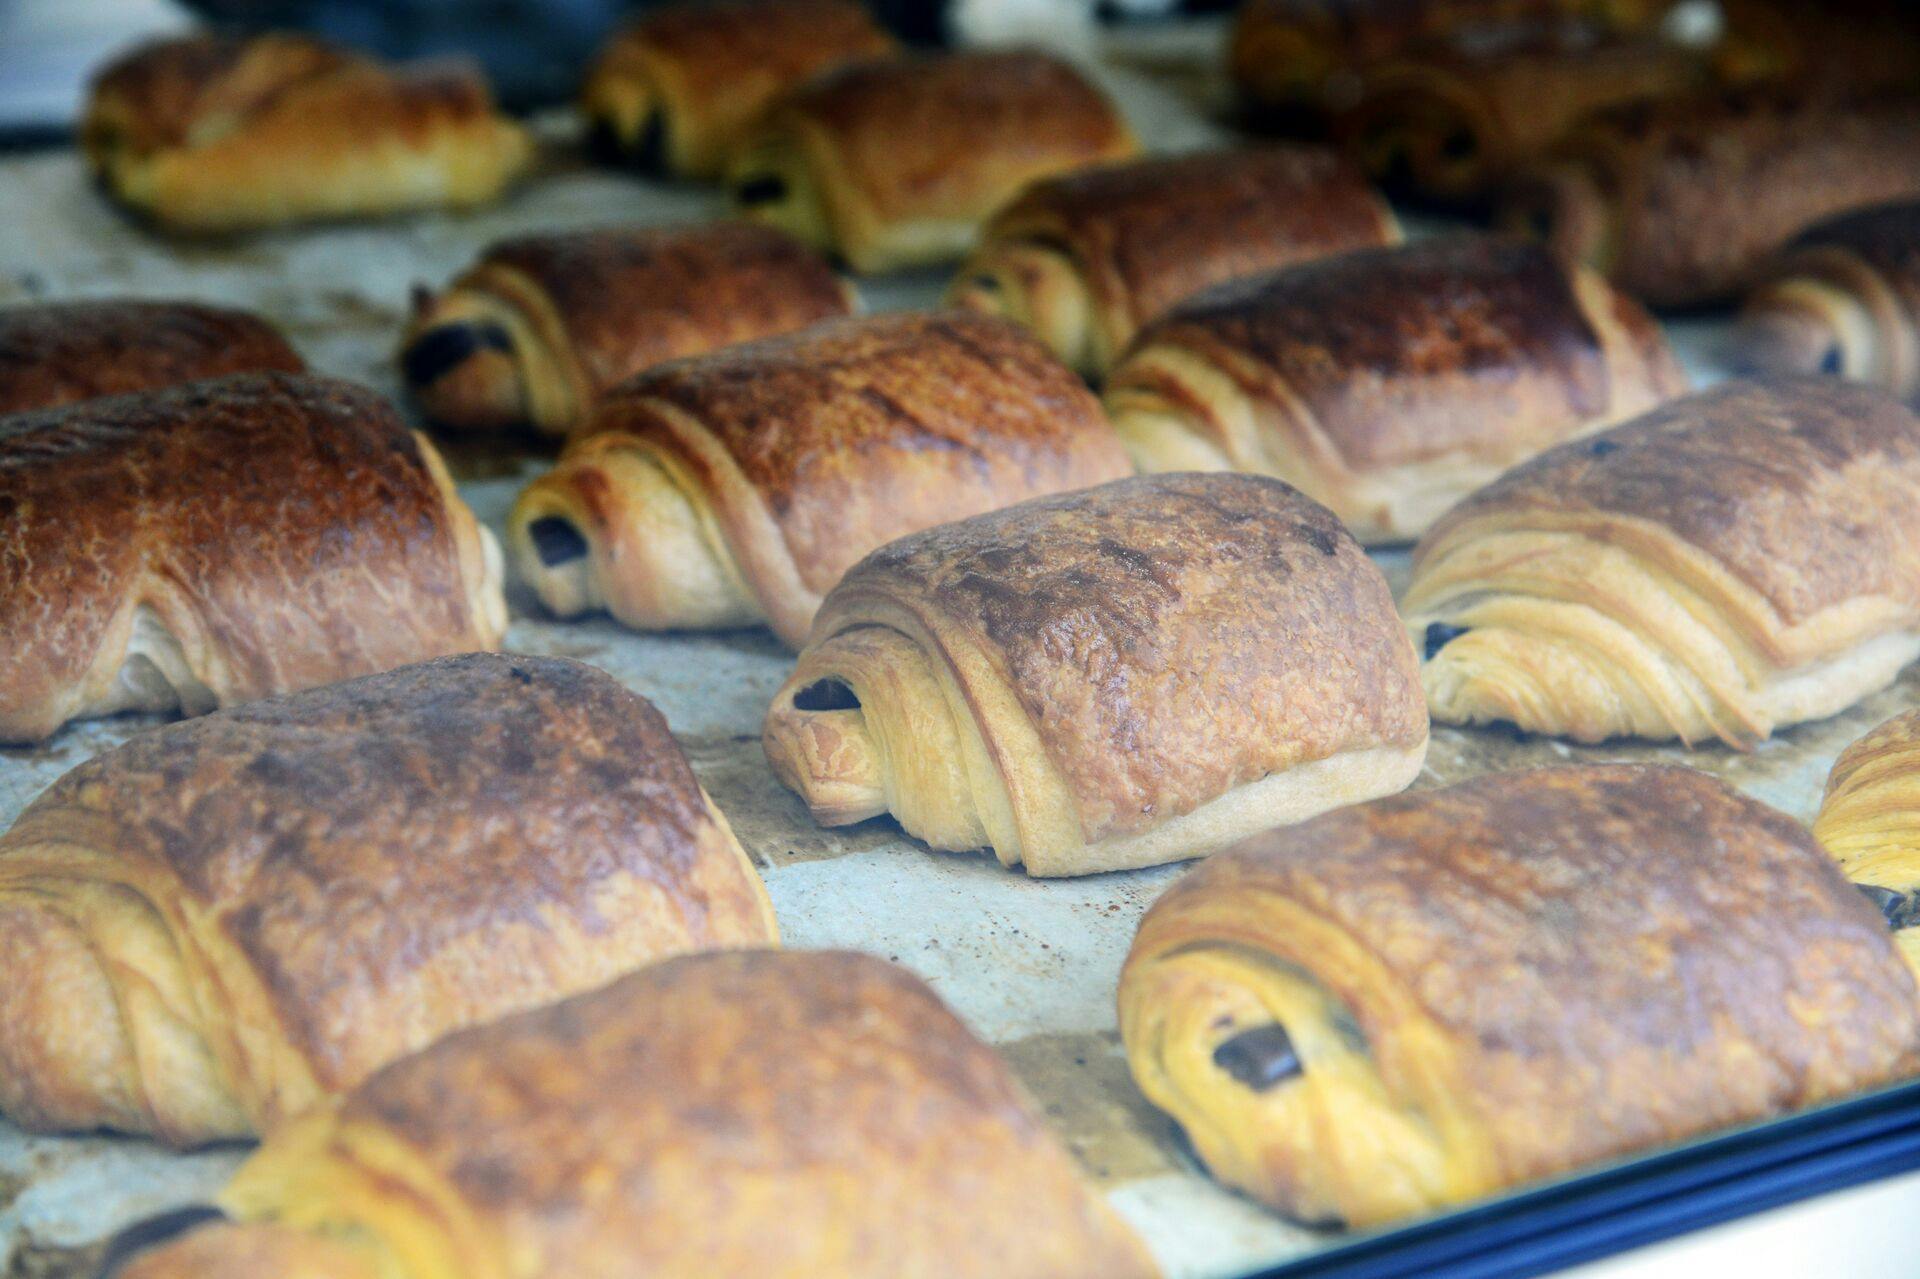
<point>1041,289</point>
<point>626,121</point>
<point>1421,136</point>
<point>820,750</point>
<point>1869,822</point>
<point>1806,326</point>
<point>770,182</point>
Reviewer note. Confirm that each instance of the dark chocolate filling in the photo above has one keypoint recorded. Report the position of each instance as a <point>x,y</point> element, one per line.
<point>1600,448</point>
<point>825,695</point>
<point>765,189</point>
<point>1441,634</point>
<point>1831,363</point>
<point>1259,1058</point>
<point>556,540</point>
<point>151,1232</point>
<point>1901,910</point>
<point>439,350</point>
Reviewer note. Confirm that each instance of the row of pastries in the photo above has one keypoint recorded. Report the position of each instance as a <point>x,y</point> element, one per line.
<point>1086,628</point>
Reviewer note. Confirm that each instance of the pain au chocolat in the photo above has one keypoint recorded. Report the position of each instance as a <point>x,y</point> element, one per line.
<point>223,540</point>
<point>1388,383</point>
<point>1735,561</point>
<point>535,331</point>
<point>1410,1004</point>
<point>1870,821</point>
<point>210,928</point>
<point>735,488</point>
<point>1133,674</point>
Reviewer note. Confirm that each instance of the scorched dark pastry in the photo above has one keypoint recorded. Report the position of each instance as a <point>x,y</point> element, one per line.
<point>677,89</point>
<point>212,133</point>
<point>1133,674</point>
<point>215,925</point>
<point>1416,1002</point>
<point>54,353</point>
<point>1084,260</point>
<point>1735,561</point>
<point>895,162</point>
<point>737,487</point>
<point>543,324</point>
<point>223,540</point>
<point>774,1114</point>
<point>1870,822</point>
<point>1388,383</point>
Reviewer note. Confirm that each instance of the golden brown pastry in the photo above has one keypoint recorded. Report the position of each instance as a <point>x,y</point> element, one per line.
<point>215,133</point>
<point>677,90</point>
<point>1842,298</point>
<point>1870,822</point>
<point>898,162</point>
<point>224,540</point>
<point>761,1113</point>
<point>1388,383</point>
<point>1084,260</point>
<point>1134,674</point>
<point>1413,1003</point>
<point>534,332</point>
<point>213,926</point>
<point>1678,202</point>
<point>737,487</point>
<point>1735,561</point>
<point>54,353</point>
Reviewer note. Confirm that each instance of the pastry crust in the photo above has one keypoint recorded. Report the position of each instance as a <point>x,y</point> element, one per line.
<point>1133,674</point>
<point>678,89</point>
<point>1870,821</point>
<point>209,928</point>
<point>1388,383</point>
<point>224,540</point>
<point>1679,202</point>
<point>1413,1003</point>
<point>1085,259</point>
<point>214,133</point>
<point>899,162</point>
<point>543,324</point>
<point>55,353</point>
<point>1738,560</point>
<point>737,487</point>
<point>1843,298</point>
<point>758,1113</point>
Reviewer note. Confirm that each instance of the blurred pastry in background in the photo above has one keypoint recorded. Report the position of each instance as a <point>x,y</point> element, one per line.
<point>1870,821</point>
<point>1846,47</point>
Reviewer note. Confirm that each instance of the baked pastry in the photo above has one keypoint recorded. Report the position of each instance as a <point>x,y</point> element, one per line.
<point>536,330</point>
<point>676,90</point>
<point>1841,46</point>
<point>1413,1003</point>
<point>1084,260</point>
<point>1842,298</point>
<point>898,162</point>
<point>215,133</point>
<point>1679,202</point>
<point>756,1113</point>
<point>54,353</point>
<point>1134,674</point>
<point>1870,822</point>
<point>1388,383</point>
<point>1739,560</point>
<point>223,540</point>
<point>737,487</point>
<point>212,926</point>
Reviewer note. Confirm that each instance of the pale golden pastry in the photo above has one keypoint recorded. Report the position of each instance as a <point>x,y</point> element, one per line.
<point>787,1115</point>
<point>1413,1003</point>
<point>216,133</point>
<point>54,353</point>
<point>214,926</point>
<point>1870,822</point>
<point>1128,675</point>
<point>737,487</point>
<point>223,540</point>
<point>1842,298</point>
<point>1388,383</point>
<point>677,89</point>
<point>1084,260</point>
<point>538,329</point>
<point>1730,563</point>
<point>898,162</point>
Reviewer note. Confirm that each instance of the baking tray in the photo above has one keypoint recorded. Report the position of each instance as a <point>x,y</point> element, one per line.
<point>1031,965</point>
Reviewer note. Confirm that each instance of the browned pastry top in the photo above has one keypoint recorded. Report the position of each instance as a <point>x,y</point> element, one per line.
<point>56,353</point>
<point>632,297</point>
<point>388,850</point>
<point>261,508</point>
<point>1408,353</point>
<point>856,429</point>
<point>1615,955</point>
<point>716,45</point>
<point>1360,31</point>
<point>781,1113</point>
<point>1153,232</point>
<point>1171,636</point>
<point>1806,489</point>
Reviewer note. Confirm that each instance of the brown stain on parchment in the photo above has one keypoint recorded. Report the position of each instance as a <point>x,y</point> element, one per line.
<point>1081,1081</point>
